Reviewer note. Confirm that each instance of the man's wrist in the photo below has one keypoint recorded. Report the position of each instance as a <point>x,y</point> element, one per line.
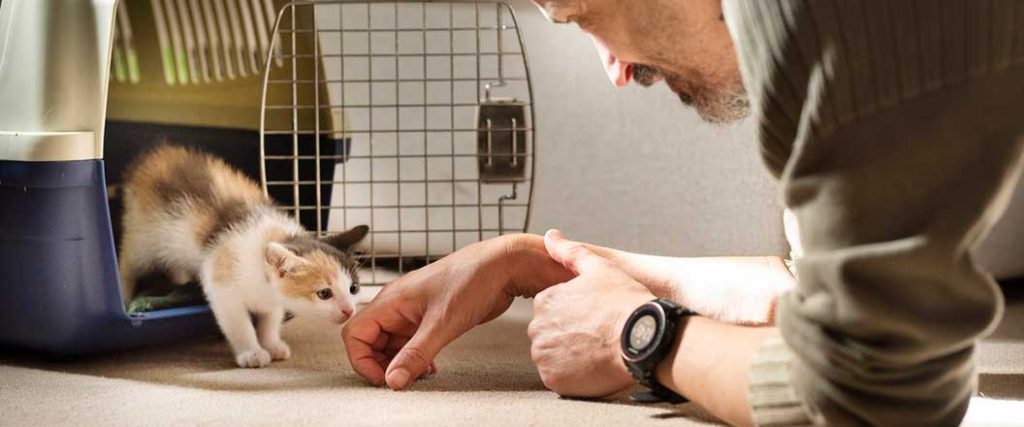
<point>709,364</point>
<point>529,267</point>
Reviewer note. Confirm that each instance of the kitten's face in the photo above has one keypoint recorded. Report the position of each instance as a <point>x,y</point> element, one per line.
<point>318,284</point>
<point>315,277</point>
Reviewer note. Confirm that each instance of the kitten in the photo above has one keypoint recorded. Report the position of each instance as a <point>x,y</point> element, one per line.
<point>191,215</point>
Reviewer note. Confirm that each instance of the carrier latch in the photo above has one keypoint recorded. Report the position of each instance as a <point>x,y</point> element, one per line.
<point>501,139</point>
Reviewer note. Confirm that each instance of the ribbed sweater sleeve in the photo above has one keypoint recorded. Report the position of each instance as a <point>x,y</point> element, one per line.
<point>895,129</point>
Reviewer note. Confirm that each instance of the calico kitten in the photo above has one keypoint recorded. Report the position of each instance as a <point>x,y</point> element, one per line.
<point>190,215</point>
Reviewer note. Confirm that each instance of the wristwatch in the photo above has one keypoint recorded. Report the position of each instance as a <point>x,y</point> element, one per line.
<point>647,338</point>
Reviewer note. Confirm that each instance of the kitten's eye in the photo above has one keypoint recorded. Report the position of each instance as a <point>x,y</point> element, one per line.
<point>354,289</point>
<point>324,294</point>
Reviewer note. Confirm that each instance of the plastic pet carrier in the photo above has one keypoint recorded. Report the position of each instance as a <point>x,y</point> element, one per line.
<point>414,118</point>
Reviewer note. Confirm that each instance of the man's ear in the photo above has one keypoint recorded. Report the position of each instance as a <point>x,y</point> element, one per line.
<point>346,240</point>
<point>282,259</point>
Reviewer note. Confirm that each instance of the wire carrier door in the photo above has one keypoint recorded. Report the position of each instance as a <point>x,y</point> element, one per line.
<point>427,107</point>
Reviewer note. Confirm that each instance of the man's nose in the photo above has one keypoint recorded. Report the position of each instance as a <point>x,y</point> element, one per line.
<point>620,73</point>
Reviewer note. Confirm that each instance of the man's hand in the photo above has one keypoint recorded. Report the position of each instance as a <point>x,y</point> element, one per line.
<point>576,326</point>
<point>396,337</point>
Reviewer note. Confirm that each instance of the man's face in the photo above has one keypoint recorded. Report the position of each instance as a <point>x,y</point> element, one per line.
<point>683,42</point>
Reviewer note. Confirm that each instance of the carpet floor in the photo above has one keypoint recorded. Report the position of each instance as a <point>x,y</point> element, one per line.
<point>486,378</point>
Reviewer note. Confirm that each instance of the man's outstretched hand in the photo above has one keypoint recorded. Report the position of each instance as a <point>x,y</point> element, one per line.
<point>577,324</point>
<point>395,338</point>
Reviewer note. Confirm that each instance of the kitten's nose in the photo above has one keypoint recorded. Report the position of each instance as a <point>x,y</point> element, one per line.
<point>347,311</point>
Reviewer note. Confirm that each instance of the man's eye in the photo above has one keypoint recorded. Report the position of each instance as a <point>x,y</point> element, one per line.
<point>354,289</point>
<point>324,294</point>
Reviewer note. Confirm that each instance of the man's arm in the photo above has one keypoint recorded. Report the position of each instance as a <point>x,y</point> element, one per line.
<point>731,289</point>
<point>710,365</point>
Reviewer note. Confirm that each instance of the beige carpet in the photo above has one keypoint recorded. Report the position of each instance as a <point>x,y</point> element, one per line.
<point>486,378</point>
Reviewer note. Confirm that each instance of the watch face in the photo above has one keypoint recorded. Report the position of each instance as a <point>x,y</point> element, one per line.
<point>643,332</point>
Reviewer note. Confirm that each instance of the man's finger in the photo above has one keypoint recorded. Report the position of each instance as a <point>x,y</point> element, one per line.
<point>382,341</point>
<point>359,335</point>
<point>574,256</point>
<point>416,357</point>
<point>368,333</point>
<point>395,344</point>
<point>382,359</point>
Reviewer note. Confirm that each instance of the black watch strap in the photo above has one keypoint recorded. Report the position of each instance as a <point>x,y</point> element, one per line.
<point>658,395</point>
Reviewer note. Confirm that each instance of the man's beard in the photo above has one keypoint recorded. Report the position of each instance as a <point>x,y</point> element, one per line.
<point>718,105</point>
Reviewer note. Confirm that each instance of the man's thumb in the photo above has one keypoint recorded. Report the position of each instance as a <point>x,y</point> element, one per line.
<point>414,359</point>
<point>573,255</point>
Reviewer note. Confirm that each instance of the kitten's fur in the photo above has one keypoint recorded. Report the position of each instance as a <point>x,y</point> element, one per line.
<point>190,215</point>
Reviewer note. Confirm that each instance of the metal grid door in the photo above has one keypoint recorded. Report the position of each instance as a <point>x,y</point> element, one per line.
<point>427,109</point>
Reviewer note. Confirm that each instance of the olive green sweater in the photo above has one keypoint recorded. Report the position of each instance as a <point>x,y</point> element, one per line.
<point>896,129</point>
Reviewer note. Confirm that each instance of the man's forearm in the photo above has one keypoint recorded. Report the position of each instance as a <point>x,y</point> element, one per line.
<point>710,364</point>
<point>731,289</point>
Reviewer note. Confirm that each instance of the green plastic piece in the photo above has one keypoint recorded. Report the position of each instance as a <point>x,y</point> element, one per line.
<point>119,72</point>
<point>179,57</point>
<point>168,59</point>
<point>133,66</point>
<point>182,296</point>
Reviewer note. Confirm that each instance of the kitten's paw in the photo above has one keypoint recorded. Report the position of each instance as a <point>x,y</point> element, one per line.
<point>253,359</point>
<point>279,350</point>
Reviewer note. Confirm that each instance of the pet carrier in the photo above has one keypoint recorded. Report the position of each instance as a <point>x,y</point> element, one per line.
<point>433,103</point>
<point>411,117</point>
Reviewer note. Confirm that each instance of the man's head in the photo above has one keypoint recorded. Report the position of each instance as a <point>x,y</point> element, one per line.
<point>684,42</point>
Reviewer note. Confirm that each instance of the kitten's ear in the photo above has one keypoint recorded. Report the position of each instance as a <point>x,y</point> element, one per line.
<point>346,240</point>
<point>282,259</point>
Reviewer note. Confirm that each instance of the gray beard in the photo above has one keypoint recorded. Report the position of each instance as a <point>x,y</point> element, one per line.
<point>718,107</point>
<point>714,105</point>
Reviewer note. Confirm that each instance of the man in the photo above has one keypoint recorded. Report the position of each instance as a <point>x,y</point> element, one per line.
<point>895,129</point>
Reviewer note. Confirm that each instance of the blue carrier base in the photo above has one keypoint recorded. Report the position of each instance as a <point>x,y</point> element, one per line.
<point>59,286</point>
